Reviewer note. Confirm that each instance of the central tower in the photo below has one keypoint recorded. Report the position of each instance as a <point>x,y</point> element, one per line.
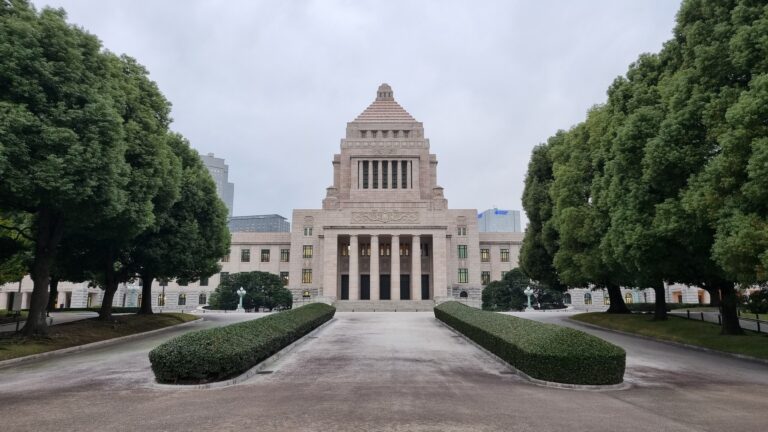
<point>384,161</point>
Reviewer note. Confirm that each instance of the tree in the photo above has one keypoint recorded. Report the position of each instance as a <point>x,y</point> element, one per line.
<point>188,238</point>
<point>15,247</point>
<point>506,294</point>
<point>262,290</point>
<point>540,242</point>
<point>61,138</point>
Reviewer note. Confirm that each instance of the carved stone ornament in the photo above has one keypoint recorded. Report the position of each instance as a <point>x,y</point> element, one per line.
<point>395,217</point>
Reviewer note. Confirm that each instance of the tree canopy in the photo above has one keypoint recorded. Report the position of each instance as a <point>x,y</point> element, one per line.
<point>263,290</point>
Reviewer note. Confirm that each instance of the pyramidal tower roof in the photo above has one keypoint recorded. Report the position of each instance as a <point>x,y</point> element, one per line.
<point>384,108</point>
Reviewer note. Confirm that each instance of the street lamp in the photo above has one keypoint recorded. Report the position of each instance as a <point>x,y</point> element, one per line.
<point>528,291</point>
<point>241,293</point>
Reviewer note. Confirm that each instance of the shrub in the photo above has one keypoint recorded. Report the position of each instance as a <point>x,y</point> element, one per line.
<point>543,351</point>
<point>221,353</point>
<point>758,302</point>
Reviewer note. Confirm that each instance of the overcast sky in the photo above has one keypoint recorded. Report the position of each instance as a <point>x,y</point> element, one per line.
<point>270,86</point>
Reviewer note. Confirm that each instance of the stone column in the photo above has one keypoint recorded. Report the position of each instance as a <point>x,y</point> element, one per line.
<point>439,266</point>
<point>416,268</point>
<point>354,268</point>
<point>330,265</point>
<point>374,267</point>
<point>394,273</point>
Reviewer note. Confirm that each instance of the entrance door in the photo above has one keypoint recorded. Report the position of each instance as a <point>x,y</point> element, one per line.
<point>425,287</point>
<point>345,287</point>
<point>365,287</point>
<point>405,287</point>
<point>384,288</point>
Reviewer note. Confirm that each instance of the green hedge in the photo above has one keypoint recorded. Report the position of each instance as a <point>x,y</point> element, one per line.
<point>544,351</point>
<point>224,352</point>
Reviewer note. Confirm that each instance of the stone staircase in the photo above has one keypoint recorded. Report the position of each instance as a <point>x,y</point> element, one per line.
<point>384,305</point>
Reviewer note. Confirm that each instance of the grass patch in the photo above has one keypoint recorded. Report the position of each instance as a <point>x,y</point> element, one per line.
<point>7,317</point>
<point>544,351</point>
<point>220,353</point>
<point>86,331</point>
<point>677,329</point>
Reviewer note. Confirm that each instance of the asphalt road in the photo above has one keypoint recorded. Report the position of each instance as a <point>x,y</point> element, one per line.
<point>385,371</point>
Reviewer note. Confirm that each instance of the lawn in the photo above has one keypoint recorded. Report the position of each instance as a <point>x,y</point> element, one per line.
<point>7,316</point>
<point>87,331</point>
<point>682,330</point>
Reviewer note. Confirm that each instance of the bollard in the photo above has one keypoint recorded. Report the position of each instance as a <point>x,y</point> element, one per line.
<point>702,316</point>
<point>688,313</point>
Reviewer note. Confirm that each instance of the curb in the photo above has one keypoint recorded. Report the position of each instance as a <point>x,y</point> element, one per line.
<point>536,381</point>
<point>54,353</point>
<point>677,344</point>
<point>269,361</point>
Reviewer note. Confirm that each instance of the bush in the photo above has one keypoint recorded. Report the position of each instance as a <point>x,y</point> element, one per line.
<point>758,302</point>
<point>224,352</point>
<point>543,351</point>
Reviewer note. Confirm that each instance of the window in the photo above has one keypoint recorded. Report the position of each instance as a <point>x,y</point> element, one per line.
<point>307,252</point>
<point>363,134</point>
<point>374,133</point>
<point>405,133</point>
<point>463,294</point>
<point>628,298</point>
<point>365,249</point>
<point>285,255</point>
<point>606,299</point>
<point>306,276</point>
<point>307,231</point>
<point>425,249</point>
<point>394,174</point>
<point>404,173</point>
<point>462,251</point>
<point>375,174</point>
<point>462,231</point>
<point>202,299</point>
<point>566,298</point>
<point>204,281</point>
<point>485,277</point>
<point>284,277</point>
<point>265,255</point>
<point>161,300</point>
<point>225,258</point>
<point>384,134</point>
<point>405,249</point>
<point>245,255</point>
<point>587,299</point>
<point>384,179</point>
<point>344,250</point>
<point>365,174</point>
<point>463,275</point>
<point>394,134</point>
<point>485,255</point>
<point>505,255</point>
<point>385,250</point>
<point>182,299</point>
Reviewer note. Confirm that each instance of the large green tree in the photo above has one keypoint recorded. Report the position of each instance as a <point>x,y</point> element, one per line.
<point>62,142</point>
<point>507,294</point>
<point>541,238</point>
<point>188,238</point>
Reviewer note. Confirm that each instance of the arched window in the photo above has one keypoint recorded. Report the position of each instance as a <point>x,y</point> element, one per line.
<point>628,298</point>
<point>463,294</point>
<point>587,299</point>
<point>567,298</point>
<point>202,299</point>
<point>182,299</point>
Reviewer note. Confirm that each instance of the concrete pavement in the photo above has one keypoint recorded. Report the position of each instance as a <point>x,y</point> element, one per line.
<point>385,371</point>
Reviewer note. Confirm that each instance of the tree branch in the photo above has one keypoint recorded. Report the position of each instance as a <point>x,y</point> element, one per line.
<point>19,231</point>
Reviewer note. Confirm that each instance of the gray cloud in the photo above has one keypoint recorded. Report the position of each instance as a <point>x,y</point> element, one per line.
<point>269,86</point>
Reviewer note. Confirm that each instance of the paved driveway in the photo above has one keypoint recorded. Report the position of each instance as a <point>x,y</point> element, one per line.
<point>379,371</point>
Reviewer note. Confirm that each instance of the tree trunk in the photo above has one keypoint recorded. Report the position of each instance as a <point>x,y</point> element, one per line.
<point>714,296</point>
<point>110,288</point>
<point>728,312</point>
<point>47,238</point>
<point>53,295</point>
<point>617,300</point>
<point>146,295</point>
<point>660,309</point>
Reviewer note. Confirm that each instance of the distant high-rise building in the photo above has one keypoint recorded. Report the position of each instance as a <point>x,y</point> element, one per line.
<point>220,173</point>
<point>259,223</point>
<point>497,220</point>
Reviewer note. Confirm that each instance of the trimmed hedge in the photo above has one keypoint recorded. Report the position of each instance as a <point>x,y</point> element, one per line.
<point>224,352</point>
<point>543,351</point>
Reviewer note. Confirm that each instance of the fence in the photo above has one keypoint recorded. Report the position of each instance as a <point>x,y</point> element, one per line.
<point>755,324</point>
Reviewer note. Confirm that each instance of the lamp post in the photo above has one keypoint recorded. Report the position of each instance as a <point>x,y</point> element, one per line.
<point>528,291</point>
<point>241,293</point>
